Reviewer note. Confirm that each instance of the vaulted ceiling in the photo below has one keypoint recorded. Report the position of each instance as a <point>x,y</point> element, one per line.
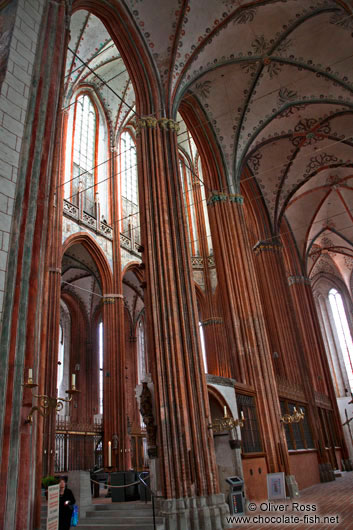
<point>93,62</point>
<point>81,278</point>
<point>275,80</point>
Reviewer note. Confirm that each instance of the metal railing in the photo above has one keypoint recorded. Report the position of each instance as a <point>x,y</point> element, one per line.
<point>141,479</point>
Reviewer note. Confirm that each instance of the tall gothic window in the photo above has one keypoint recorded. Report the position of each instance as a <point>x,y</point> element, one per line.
<point>129,186</point>
<point>189,204</point>
<point>204,207</point>
<point>203,348</point>
<point>85,122</point>
<point>343,332</point>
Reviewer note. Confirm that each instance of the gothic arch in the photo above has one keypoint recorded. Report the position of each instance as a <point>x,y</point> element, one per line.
<point>207,145</point>
<point>133,266</point>
<point>89,243</point>
<point>133,51</point>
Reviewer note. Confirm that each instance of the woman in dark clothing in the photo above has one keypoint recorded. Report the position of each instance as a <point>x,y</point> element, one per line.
<point>66,504</point>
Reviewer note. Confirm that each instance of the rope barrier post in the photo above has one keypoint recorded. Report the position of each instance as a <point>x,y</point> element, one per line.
<point>153,511</point>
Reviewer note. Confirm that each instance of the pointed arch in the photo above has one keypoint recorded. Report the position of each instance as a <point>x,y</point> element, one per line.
<point>135,267</point>
<point>89,243</point>
<point>214,172</point>
<point>132,48</point>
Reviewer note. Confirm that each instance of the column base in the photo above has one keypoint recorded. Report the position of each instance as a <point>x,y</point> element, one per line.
<point>347,465</point>
<point>292,487</point>
<point>194,513</point>
<point>326,472</point>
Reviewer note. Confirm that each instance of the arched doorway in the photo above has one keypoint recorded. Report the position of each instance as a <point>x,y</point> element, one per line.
<point>79,424</point>
<point>226,443</point>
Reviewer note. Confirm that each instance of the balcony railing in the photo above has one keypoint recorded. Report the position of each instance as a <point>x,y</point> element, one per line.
<point>78,214</point>
<point>93,222</point>
<point>197,262</point>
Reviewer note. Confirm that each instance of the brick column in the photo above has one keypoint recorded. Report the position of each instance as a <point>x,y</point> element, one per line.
<point>115,395</point>
<point>315,355</point>
<point>212,322</point>
<point>251,353</point>
<point>22,345</point>
<point>184,443</point>
<point>291,365</point>
<point>275,297</point>
<point>216,345</point>
<point>51,332</point>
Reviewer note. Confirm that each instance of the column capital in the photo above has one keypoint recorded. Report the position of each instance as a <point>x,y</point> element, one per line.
<point>111,298</point>
<point>169,124</point>
<point>146,121</point>
<point>273,245</point>
<point>236,197</point>
<point>298,279</point>
<point>151,122</point>
<point>218,196</point>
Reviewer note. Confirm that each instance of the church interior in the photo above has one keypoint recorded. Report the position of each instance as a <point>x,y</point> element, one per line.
<point>176,248</point>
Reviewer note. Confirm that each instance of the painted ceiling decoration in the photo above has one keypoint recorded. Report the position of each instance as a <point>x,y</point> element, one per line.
<point>95,64</point>
<point>275,80</point>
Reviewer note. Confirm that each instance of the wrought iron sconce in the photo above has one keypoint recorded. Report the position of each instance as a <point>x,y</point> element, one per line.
<point>47,404</point>
<point>293,418</point>
<point>226,423</point>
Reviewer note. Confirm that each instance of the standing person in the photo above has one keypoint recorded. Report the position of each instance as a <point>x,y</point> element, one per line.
<point>66,504</point>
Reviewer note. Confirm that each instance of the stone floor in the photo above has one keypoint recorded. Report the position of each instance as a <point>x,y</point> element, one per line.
<point>331,499</point>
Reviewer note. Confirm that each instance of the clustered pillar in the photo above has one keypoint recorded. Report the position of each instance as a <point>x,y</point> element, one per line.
<point>185,450</point>
<point>251,354</point>
<point>28,280</point>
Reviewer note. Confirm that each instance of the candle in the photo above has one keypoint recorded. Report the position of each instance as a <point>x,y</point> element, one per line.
<point>295,410</point>
<point>225,411</point>
<point>30,374</point>
<point>301,411</point>
<point>109,454</point>
<point>242,414</point>
<point>73,380</point>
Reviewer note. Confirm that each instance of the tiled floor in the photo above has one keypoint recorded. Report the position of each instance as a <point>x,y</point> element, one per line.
<point>333,499</point>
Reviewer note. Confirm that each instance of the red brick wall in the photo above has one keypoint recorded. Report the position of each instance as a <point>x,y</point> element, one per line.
<point>255,481</point>
<point>305,467</point>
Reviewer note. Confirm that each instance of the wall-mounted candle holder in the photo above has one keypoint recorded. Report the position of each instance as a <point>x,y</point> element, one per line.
<point>226,423</point>
<point>47,404</point>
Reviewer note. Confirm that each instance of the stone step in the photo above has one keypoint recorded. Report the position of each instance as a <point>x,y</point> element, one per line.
<point>138,521</point>
<point>130,506</point>
<point>119,513</point>
<point>117,526</point>
<point>101,517</point>
<point>121,516</point>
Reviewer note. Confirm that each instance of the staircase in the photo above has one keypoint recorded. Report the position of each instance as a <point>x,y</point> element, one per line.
<point>120,516</point>
<point>43,516</point>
